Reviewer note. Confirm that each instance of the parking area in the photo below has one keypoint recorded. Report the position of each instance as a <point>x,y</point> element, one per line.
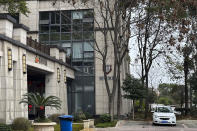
<point>183,125</point>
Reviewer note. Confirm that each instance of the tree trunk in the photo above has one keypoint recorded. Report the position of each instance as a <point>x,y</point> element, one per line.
<point>110,107</point>
<point>146,100</point>
<point>186,87</point>
<point>119,94</point>
<point>133,109</point>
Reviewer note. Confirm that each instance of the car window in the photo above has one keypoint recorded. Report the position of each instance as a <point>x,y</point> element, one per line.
<point>164,110</point>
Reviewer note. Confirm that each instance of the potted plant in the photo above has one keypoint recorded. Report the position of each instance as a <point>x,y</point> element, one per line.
<point>40,102</point>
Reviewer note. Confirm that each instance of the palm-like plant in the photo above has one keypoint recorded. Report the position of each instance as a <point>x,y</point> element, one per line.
<point>39,101</point>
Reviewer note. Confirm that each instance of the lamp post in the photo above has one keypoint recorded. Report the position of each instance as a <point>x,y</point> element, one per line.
<point>24,64</point>
<point>65,76</point>
<point>9,59</point>
<point>58,75</point>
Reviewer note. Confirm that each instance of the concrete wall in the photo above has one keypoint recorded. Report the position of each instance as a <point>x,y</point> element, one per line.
<point>13,83</point>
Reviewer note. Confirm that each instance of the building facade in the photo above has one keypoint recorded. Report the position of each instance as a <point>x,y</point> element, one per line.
<point>72,28</point>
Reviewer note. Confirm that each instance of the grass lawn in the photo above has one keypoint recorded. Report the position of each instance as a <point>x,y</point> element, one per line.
<point>57,128</point>
<point>106,124</point>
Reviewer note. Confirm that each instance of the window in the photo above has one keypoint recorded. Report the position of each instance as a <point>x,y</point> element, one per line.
<point>88,14</point>
<point>77,27</point>
<point>88,46</point>
<point>88,55</point>
<point>68,52</point>
<point>55,37</point>
<point>88,35</point>
<point>65,36</point>
<point>44,29</point>
<point>55,28</point>
<point>77,36</point>
<point>88,27</point>
<point>44,37</point>
<point>44,18</point>
<point>66,28</point>
<point>77,50</point>
<point>77,15</point>
<point>55,17</point>
<point>66,17</point>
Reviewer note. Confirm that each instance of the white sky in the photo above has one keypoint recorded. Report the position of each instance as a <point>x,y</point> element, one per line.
<point>158,73</point>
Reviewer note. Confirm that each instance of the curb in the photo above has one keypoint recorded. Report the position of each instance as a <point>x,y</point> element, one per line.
<point>120,122</point>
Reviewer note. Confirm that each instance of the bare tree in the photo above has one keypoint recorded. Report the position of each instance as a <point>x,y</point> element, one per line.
<point>151,30</point>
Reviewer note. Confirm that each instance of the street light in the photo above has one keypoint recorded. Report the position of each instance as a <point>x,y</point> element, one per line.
<point>24,64</point>
<point>9,59</point>
<point>58,75</point>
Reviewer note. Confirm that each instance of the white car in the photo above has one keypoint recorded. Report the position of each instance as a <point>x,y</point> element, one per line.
<point>164,115</point>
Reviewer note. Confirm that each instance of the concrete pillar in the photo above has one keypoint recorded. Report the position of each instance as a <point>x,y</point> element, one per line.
<point>55,88</point>
<point>6,25</point>
<point>54,52</point>
<point>63,56</point>
<point>20,33</point>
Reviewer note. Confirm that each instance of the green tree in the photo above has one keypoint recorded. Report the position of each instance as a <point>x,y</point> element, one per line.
<point>173,92</point>
<point>165,101</point>
<point>40,102</point>
<point>133,89</point>
<point>14,6</point>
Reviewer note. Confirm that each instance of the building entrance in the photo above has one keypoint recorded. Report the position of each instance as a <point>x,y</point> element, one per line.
<point>36,84</point>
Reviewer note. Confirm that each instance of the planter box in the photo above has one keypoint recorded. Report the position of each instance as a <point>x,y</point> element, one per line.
<point>44,126</point>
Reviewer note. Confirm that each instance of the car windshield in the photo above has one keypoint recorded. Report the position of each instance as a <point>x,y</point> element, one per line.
<point>164,109</point>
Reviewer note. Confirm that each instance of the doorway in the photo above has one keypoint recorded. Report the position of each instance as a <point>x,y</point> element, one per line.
<point>36,84</point>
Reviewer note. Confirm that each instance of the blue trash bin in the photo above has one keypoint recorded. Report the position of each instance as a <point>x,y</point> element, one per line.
<point>66,122</point>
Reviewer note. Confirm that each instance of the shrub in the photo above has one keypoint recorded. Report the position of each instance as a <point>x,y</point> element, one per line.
<point>4,127</point>
<point>79,116</point>
<point>105,118</point>
<point>21,124</point>
<point>54,118</point>
<point>88,115</point>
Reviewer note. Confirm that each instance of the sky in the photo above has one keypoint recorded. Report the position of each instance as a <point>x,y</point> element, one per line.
<point>158,73</point>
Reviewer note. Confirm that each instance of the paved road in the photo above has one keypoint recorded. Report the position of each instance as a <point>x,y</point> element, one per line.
<point>185,125</point>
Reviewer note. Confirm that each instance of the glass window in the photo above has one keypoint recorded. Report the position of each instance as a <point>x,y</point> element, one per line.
<point>44,28</point>
<point>54,42</point>
<point>55,17</point>
<point>68,52</point>
<point>77,36</point>
<point>88,35</point>
<point>77,50</point>
<point>66,44</point>
<point>88,14</point>
<point>77,63</point>
<point>77,15</point>
<point>88,63</point>
<point>88,27</point>
<point>44,37</point>
<point>66,17</point>
<point>77,27</point>
<point>55,28</point>
<point>66,28</point>
<point>88,55</point>
<point>65,36</point>
<point>88,46</point>
<point>55,36</point>
<point>44,15</point>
